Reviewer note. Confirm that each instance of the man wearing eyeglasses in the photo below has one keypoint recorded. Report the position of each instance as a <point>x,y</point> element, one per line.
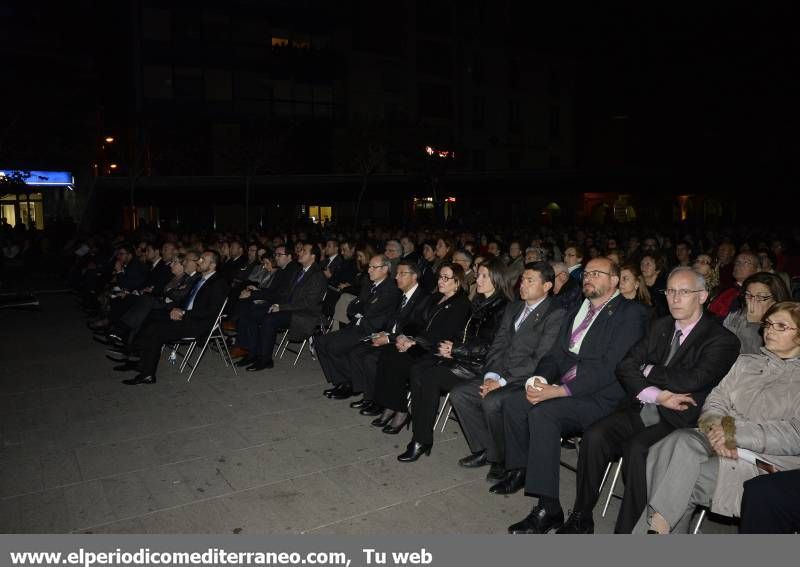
<point>666,376</point>
<point>368,313</point>
<point>573,386</point>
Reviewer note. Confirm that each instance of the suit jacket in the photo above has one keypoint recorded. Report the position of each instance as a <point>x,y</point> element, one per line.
<point>158,277</point>
<point>515,354</point>
<point>347,273</point>
<point>132,277</point>
<point>375,308</point>
<point>236,269</point>
<point>334,265</point>
<point>570,296</point>
<point>305,301</point>
<point>278,290</point>
<point>409,320</point>
<point>444,321</point>
<point>699,364</point>
<point>208,300</point>
<point>613,333</point>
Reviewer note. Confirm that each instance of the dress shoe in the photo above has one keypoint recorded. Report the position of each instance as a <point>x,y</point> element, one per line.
<point>140,379</point>
<point>125,367</point>
<point>392,430</point>
<point>577,523</point>
<point>382,421</point>
<point>362,403</point>
<point>497,472</point>
<point>346,391</point>
<point>246,361</point>
<point>260,365</point>
<point>474,460</point>
<point>414,451</point>
<point>238,352</point>
<point>329,391</point>
<point>539,521</point>
<point>372,409</point>
<point>513,482</point>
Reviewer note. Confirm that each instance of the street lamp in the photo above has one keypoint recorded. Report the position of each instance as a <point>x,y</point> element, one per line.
<point>110,139</point>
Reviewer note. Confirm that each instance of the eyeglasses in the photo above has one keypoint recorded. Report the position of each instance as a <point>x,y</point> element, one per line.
<point>744,263</point>
<point>371,267</point>
<point>404,273</point>
<point>446,278</point>
<point>282,254</point>
<point>758,298</point>
<point>777,326</point>
<point>680,292</point>
<point>594,274</point>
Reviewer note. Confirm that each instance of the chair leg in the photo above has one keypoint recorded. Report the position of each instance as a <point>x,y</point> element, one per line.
<point>446,418</point>
<point>700,521</point>
<point>189,350</point>
<point>199,358</point>
<point>441,411</point>
<point>605,476</point>
<point>285,343</point>
<point>613,486</point>
<point>299,352</point>
<point>226,354</point>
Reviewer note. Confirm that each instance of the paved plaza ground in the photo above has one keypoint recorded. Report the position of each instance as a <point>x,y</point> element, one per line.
<point>259,453</point>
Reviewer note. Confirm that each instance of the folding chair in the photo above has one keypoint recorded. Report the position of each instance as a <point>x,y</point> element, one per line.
<point>613,483</point>
<point>699,522</point>
<point>216,335</point>
<point>445,404</point>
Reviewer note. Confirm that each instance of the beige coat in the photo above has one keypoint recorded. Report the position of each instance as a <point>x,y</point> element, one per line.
<point>762,393</point>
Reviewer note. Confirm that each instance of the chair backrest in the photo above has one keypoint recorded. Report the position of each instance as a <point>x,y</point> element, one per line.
<point>218,320</point>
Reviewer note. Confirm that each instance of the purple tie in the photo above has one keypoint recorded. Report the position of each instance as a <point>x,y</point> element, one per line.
<point>576,335</point>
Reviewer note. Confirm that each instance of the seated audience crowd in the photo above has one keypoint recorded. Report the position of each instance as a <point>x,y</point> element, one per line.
<point>679,364</point>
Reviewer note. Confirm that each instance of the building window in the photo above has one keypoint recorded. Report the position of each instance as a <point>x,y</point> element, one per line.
<point>513,74</point>
<point>514,159</point>
<point>218,84</point>
<point>555,119</point>
<point>553,85</point>
<point>478,111</point>
<point>156,24</point>
<point>157,82</point>
<point>555,162</point>
<point>320,213</point>
<point>189,83</point>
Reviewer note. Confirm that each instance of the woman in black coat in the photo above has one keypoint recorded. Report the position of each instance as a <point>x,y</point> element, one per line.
<point>432,377</point>
<point>444,320</point>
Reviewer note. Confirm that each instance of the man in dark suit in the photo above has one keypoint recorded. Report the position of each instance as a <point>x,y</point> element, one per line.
<point>193,319</point>
<point>302,308</point>
<point>574,386</point>
<point>567,290</point>
<point>332,261</point>
<point>236,268</point>
<point>368,313</point>
<point>527,332</point>
<point>406,319</point>
<point>667,376</point>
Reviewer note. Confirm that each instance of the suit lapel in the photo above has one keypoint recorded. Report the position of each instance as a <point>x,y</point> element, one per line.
<point>696,334</point>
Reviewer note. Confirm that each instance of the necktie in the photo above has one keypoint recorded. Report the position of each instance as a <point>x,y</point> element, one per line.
<point>403,301</point>
<point>674,346</point>
<point>576,336</point>
<point>521,319</point>
<point>195,288</point>
<point>300,276</point>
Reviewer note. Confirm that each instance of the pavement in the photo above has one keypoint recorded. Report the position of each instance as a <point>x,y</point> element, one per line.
<point>258,453</point>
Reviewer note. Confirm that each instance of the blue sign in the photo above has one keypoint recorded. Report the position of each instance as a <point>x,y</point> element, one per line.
<point>42,178</point>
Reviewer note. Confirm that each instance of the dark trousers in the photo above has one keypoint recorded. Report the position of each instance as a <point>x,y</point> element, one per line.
<point>391,389</point>
<point>428,382</point>
<point>363,361</point>
<point>271,324</point>
<point>481,419</point>
<point>771,504</point>
<point>135,317</point>
<point>119,306</point>
<point>154,336</point>
<point>332,350</point>
<point>533,436</point>
<point>621,434</point>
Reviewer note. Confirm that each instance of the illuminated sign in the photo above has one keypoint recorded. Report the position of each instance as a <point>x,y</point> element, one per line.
<point>42,178</point>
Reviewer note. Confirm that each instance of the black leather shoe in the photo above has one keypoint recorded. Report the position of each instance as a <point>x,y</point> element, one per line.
<point>497,472</point>
<point>381,421</point>
<point>260,365</point>
<point>577,523</point>
<point>389,429</point>
<point>246,361</point>
<point>125,367</point>
<point>140,380</point>
<point>362,403</point>
<point>346,391</point>
<point>371,409</point>
<point>513,482</point>
<point>414,451</point>
<point>539,521</point>
<point>474,460</point>
<point>329,392</point>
